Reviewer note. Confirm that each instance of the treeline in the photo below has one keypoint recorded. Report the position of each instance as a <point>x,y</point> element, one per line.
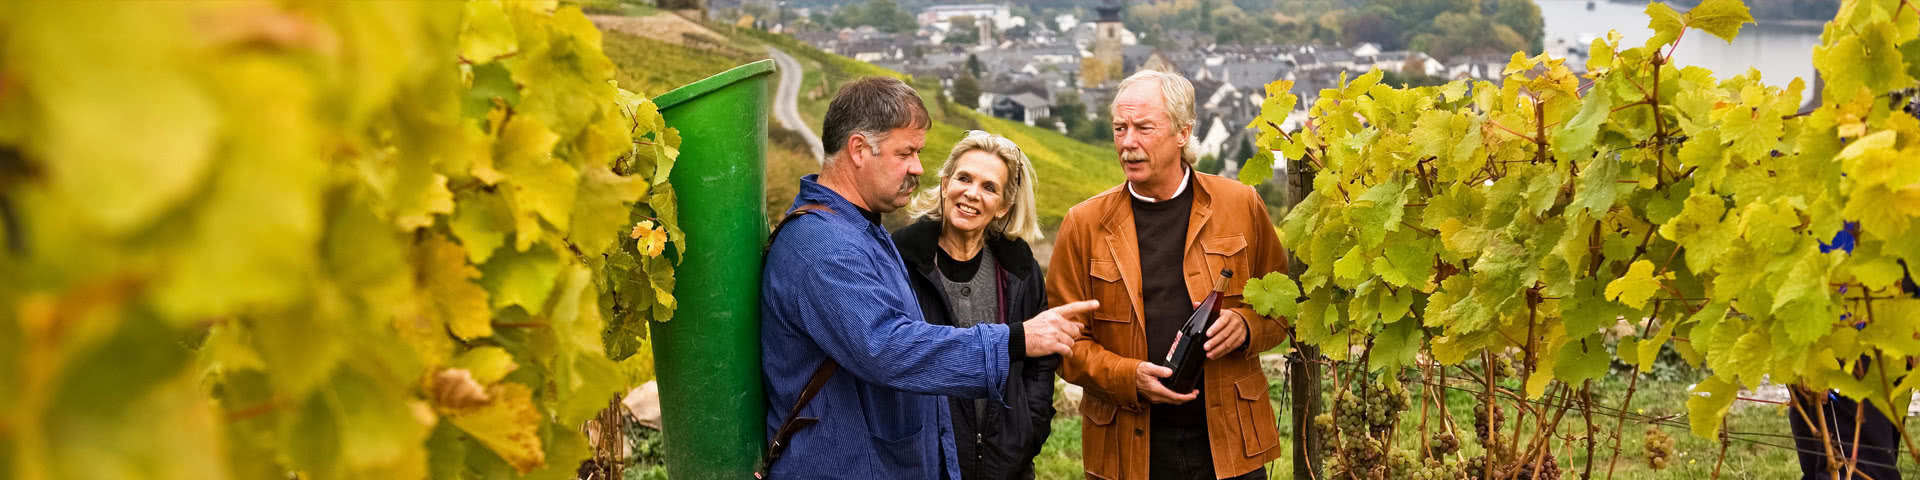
<point>1442,28</point>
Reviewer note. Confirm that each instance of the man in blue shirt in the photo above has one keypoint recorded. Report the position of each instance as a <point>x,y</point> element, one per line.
<point>834,288</point>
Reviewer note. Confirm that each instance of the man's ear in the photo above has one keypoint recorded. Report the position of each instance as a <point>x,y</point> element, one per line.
<point>1186,135</point>
<point>858,149</point>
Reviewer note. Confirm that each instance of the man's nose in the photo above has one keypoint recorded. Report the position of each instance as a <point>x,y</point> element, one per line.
<point>913,165</point>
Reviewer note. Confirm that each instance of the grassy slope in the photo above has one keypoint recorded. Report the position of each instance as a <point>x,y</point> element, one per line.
<point>652,67</point>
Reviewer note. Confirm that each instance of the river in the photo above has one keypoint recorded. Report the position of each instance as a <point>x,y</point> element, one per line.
<point>1781,50</point>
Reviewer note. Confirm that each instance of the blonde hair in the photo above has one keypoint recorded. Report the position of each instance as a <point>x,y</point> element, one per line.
<point>1022,220</point>
<point>1177,93</point>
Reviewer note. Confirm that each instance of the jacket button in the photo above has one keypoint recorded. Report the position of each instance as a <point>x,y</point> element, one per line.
<point>1138,432</point>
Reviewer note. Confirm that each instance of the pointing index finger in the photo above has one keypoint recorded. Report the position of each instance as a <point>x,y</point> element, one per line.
<point>1077,308</point>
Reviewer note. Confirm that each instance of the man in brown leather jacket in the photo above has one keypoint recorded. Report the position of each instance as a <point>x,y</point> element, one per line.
<point>1149,249</point>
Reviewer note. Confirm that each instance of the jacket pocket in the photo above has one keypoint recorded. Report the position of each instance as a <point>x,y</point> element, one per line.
<point>1257,429</point>
<point>1225,253</point>
<point>1115,306</point>
<point>1098,437</point>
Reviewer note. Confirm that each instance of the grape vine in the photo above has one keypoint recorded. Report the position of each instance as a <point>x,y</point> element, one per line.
<point>1481,220</point>
<point>331,240</point>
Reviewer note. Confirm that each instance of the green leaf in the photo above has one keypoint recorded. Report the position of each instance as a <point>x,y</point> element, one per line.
<point>1722,18</point>
<point>1808,279</point>
<point>1453,91</point>
<point>378,427</point>
<point>521,278</point>
<point>1352,266</point>
<point>1585,314</point>
<point>1665,23</point>
<point>1877,272</point>
<point>481,221</point>
<point>1749,356</point>
<point>1638,285</point>
<point>508,425</point>
<point>108,164</point>
<point>601,209</point>
<point>1650,348</point>
<point>1317,318</point>
<point>1361,84</point>
<point>1406,264</point>
<point>1597,187</point>
<point>1707,403</point>
<point>1582,360</point>
<point>1257,169</point>
<point>1575,138</point>
<point>1274,295</point>
<point>1379,211</point>
<point>486,34</point>
<point>1395,346</point>
<point>447,279</point>
<point>491,82</point>
<point>666,203</point>
<point>488,364</point>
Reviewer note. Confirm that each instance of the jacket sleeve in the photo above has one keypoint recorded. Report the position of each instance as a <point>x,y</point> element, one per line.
<point>1266,256</point>
<point>848,310</point>
<point>1091,365</point>
<point>1039,378</point>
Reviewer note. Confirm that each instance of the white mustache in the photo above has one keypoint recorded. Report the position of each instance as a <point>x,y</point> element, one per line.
<point>1133,156</point>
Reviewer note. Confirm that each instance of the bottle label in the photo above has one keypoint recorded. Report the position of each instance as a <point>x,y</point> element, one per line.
<point>1175,347</point>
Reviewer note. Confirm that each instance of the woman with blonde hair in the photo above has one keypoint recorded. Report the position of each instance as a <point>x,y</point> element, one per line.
<point>969,263</point>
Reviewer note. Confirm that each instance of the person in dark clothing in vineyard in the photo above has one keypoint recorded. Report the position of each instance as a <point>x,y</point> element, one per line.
<point>1878,439</point>
<point>970,264</point>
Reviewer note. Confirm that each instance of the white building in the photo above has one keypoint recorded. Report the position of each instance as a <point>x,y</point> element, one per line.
<point>1001,15</point>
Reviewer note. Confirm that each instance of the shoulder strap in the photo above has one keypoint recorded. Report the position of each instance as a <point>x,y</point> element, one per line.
<point>795,422</point>
<point>796,213</point>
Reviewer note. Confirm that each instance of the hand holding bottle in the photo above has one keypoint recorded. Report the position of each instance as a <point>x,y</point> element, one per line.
<point>1227,333</point>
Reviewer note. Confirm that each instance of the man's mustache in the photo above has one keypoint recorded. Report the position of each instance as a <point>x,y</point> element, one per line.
<point>909,184</point>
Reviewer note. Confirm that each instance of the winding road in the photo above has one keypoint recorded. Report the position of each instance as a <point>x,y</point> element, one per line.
<point>786,101</point>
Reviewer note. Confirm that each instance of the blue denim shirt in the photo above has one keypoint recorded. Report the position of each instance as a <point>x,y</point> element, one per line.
<point>834,286</point>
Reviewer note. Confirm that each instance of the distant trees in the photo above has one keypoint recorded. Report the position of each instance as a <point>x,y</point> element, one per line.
<point>1070,111</point>
<point>883,15</point>
<point>1441,28</point>
<point>966,91</point>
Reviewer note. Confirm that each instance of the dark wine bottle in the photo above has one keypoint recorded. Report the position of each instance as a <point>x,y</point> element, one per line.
<point>1189,351</point>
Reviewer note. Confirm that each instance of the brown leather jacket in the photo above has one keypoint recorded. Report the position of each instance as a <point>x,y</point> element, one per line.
<point>1097,257</point>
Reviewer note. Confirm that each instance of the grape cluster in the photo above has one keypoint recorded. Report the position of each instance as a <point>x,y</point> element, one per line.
<point>1659,448</point>
<point>1444,443</point>
<point>1476,467</point>
<point>1358,435</point>
<point>1501,367</point>
<point>1482,427</point>
<point>1549,470</point>
<point>1435,469</point>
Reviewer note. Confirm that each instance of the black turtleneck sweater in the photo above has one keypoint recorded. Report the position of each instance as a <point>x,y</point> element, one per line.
<point>1162,231</point>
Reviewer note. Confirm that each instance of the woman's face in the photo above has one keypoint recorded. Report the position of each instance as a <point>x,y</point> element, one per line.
<point>976,193</point>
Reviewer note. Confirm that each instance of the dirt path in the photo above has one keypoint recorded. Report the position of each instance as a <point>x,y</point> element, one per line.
<point>786,98</point>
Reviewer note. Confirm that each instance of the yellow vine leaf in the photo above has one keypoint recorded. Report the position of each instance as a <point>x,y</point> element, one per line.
<point>508,425</point>
<point>447,279</point>
<point>1638,285</point>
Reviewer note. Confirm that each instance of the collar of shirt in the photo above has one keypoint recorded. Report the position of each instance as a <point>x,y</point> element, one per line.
<point>811,191</point>
<point>1186,176</point>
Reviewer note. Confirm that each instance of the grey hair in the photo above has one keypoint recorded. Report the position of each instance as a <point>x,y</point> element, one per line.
<point>1177,93</point>
<point>1022,220</point>
<point>870,107</point>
